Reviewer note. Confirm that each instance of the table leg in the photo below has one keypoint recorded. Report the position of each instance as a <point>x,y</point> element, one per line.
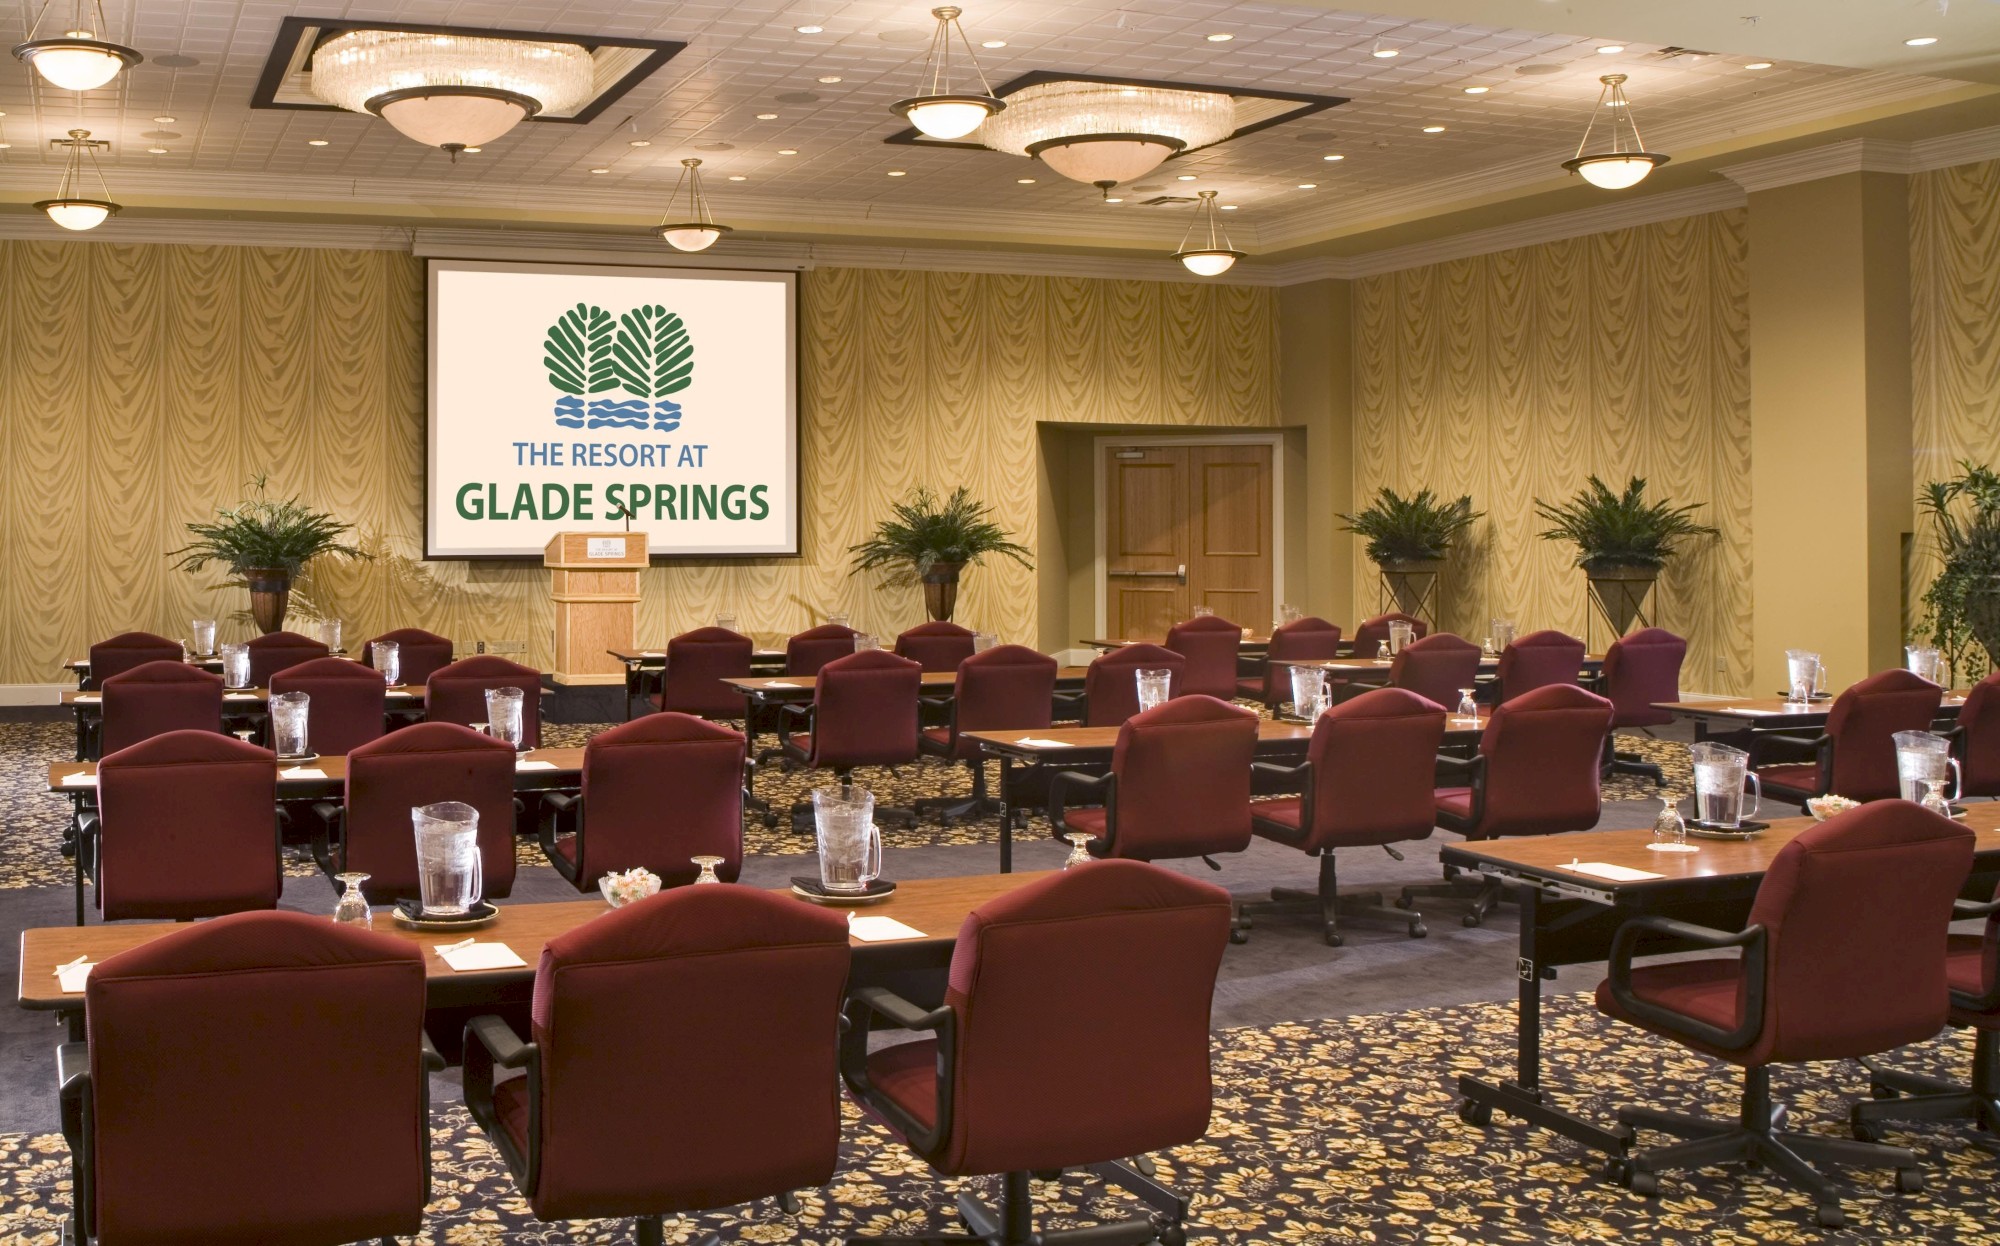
<point>1006,815</point>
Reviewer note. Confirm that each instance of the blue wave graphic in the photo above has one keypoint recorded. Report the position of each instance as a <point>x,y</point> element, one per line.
<point>666,416</point>
<point>569,411</point>
<point>631,413</point>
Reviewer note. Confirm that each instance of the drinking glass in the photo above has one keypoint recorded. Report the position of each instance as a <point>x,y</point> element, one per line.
<point>1670,830</point>
<point>1925,662</point>
<point>503,713</point>
<point>204,638</point>
<point>388,659</point>
<point>246,734</point>
<point>1382,651</point>
<point>1079,848</point>
<point>707,864</point>
<point>837,620</point>
<point>288,723</point>
<point>982,641</point>
<point>726,622</point>
<point>329,634</point>
<point>1153,688</point>
<point>1719,774</point>
<point>1307,684</point>
<point>850,844</point>
<point>1468,709</point>
<point>1922,756</point>
<point>1503,633</point>
<point>449,872</point>
<point>864,641</point>
<point>352,908</point>
<point>236,666</point>
<point>1801,673</point>
<point>1934,798</point>
<point>1400,634</point>
<point>1202,612</point>
<point>1289,613</point>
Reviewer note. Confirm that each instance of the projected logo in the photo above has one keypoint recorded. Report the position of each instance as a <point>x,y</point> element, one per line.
<point>618,373</point>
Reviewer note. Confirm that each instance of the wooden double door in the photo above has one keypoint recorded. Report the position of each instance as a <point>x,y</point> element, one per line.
<point>1186,525</point>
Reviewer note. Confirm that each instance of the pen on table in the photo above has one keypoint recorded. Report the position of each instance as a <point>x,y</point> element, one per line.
<point>462,944</point>
<point>73,964</point>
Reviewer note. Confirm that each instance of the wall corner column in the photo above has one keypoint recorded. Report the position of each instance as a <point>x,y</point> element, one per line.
<point>1316,393</point>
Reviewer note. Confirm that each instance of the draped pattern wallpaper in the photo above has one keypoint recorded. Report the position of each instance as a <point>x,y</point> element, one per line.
<point>1515,375</point>
<point>149,383</point>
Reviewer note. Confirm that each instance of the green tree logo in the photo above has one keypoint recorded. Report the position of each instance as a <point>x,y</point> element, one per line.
<point>645,353</point>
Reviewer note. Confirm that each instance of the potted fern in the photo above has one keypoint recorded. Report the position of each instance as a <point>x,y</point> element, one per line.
<point>1408,539</point>
<point>1962,605</point>
<point>265,542</point>
<point>1622,541</point>
<point>933,542</point>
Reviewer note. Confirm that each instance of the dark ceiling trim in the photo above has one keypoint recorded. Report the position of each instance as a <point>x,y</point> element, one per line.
<point>292,31</point>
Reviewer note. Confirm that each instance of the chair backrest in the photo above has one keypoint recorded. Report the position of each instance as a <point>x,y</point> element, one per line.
<point>1863,723</point>
<point>1211,645</point>
<point>1854,967</point>
<point>1539,660</point>
<point>457,693</point>
<point>697,663</point>
<point>275,651</point>
<point>419,654</point>
<point>659,790</point>
<point>939,645</point>
<point>198,1033</point>
<point>1979,755</point>
<point>127,651</point>
<point>158,697</point>
<point>1005,688</point>
<point>1306,639</point>
<point>718,1008</point>
<point>1543,751</point>
<point>189,828</point>
<point>1372,632</point>
<point>1436,667</point>
<point>1126,955</point>
<point>813,648</point>
<point>1640,670</point>
<point>422,765</point>
<point>865,710</point>
<point>1184,780</point>
<point>1111,682</point>
<point>347,706</point>
<point>1373,761</point>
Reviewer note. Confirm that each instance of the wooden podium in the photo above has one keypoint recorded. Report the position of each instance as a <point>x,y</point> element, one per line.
<point>595,586</point>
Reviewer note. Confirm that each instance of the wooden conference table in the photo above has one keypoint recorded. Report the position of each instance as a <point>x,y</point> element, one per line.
<point>536,770</point>
<point>1736,715</point>
<point>1363,668</point>
<point>1569,916</point>
<point>649,665</point>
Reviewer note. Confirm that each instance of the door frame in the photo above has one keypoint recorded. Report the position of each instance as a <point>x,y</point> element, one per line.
<point>1100,445</point>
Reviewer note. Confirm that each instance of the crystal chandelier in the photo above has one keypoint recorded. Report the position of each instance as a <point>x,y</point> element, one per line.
<point>1627,162</point>
<point>1107,133</point>
<point>699,231</point>
<point>78,60</point>
<point>71,209</point>
<point>1210,255</point>
<point>941,112</point>
<point>449,90</point>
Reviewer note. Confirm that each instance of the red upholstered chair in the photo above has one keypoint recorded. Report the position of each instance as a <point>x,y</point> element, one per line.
<point>683,1057</point>
<point>863,713</point>
<point>1366,781</point>
<point>1976,738</point>
<point>159,697</point>
<point>347,706</point>
<point>1005,688</point>
<point>1641,670</point>
<point>697,663</point>
<point>275,651</point>
<point>1855,756</point>
<point>1125,955</point>
<point>657,791</point>
<point>1179,785</point>
<point>404,770</point>
<point>813,648</point>
<point>419,654</point>
<point>1372,633</point>
<point>939,645</point>
<point>188,1116</point>
<point>1306,639</point>
<point>1111,684</point>
<point>1536,773</point>
<point>1833,965</point>
<point>1211,645</point>
<point>128,651</point>
<point>1538,660</point>
<point>457,694</point>
<point>1436,668</point>
<point>187,826</point>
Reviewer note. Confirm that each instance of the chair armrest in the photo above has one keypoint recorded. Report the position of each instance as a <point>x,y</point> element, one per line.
<point>1963,910</point>
<point>433,1059</point>
<point>1103,787</point>
<point>500,1041</point>
<point>937,703</point>
<point>1625,945</point>
<point>73,1093</point>
<point>1066,705</point>
<point>1274,771</point>
<point>1761,742</point>
<point>491,1043</point>
<point>792,709</point>
<point>562,802</point>
<point>862,1007</point>
<point>1270,779</point>
<point>1470,766</point>
<point>883,1002</point>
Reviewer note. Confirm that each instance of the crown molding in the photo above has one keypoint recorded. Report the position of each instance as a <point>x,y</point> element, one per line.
<point>31,226</point>
<point>1859,155</point>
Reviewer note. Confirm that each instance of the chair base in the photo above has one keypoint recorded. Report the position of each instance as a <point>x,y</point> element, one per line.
<point>1633,764</point>
<point>1901,1096</point>
<point>1329,905</point>
<point>976,804</point>
<point>1755,1138</point>
<point>1486,894</point>
<point>1013,1222</point>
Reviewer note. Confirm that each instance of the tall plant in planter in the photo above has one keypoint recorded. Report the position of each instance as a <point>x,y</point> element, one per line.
<point>933,542</point>
<point>1408,539</point>
<point>1962,605</point>
<point>266,542</point>
<point>1622,541</point>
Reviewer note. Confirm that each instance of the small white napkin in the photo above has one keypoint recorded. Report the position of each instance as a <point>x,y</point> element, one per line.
<point>880,929</point>
<point>72,977</point>
<point>476,956</point>
<point>652,653</point>
<point>79,780</point>
<point>1614,873</point>
<point>87,698</point>
<point>302,772</point>
<point>1032,742</point>
<point>527,763</point>
<point>778,683</point>
<point>239,696</point>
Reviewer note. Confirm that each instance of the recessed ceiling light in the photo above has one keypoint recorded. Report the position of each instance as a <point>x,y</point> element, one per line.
<point>994,43</point>
<point>808,30</point>
<point>831,79</point>
<point>1434,129</point>
<point>1227,207</point>
<point>5,146</point>
<point>898,173</point>
<point>166,120</point>
<point>788,151</point>
<point>1611,49</point>
<point>736,177</point>
<point>1921,41</point>
<point>600,170</point>
<point>1024,181</point>
<point>1477,90</point>
<point>156,151</point>
<point>1114,199</point>
<point>641,142</point>
<point>1382,53</point>
<point>1188,177</point>
<point>1333,157</point>
<point>767,116</point>
<point>1758,65</point>
<point>473,151</point>
<point>1308,185</point>
<point>315,142</point>
<point>1220,37</point>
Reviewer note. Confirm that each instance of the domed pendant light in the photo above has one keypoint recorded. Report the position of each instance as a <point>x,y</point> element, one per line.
<point>699,231</point>
<point>71,209</point>
<point>1211,256</point>
<point>941,112</point>
<point>450,91</point>
<point>1101,133</point>
<point>78,60</point>
<point>1627,162</point>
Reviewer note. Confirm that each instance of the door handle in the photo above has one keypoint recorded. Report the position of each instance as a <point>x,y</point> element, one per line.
<point>1149,575</point>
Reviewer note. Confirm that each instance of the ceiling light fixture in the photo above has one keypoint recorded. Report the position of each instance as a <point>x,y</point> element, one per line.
<point>737,177</point>
<point>1308,185</point>
<point>78,60</point>
<point>449,90</point>
<point>640,142</point>
<point>166,120</point>
<point>1434,129</point>
<point>1228,207</point>
<point>1187,177</point>
<point>898,173</point>
<point>994,43</point>
<point>70,209</point>
<point>788,151</point>
<point>1113,199</point>
<point>1213,256</point>
<point>1333,157</point>
<point>1611,49</point>
<point>699,231</point>
<point>1477,90</point>
<point>809,30</point>
<point>1758,65</point>
<point>830,79</point>
<point>600,170</point>
<point>1024,181</point>
<point>767,116</point>
<point>316,142</point>
<point>1105,133</point>
<point>940,111</point>
<point>1626,163</point>
<point>1220,37</point>
<point>1921,41</point>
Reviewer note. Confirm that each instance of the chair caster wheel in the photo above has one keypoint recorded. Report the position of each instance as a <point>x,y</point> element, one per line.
<point>1617,1170</point>
<point>1418,930</point>
<point>1402,902</point>
<point>1910,1180</point>
<point>1829,1216</point>
<point>1864,1132</point>
<point>1470,921</point>
<point>1239,935</point>
<point>1334,938</point>
<point>1173,1235</point>
<point>1876,1090</point>
<point>1473,1112</point>
<point>1644,1184</point>
<point>788,1202</point>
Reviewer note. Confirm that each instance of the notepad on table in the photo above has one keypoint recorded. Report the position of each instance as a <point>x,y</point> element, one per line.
<point>1032,742</point>
<point>880,929</point>
<point>72,977</point>
<point>1611,873</point>
<point>530,763</point>
<point>652,653</point>
<point>302,772</point>
<point>239,696</point>
<point>85,698</point>
<point>79,780</point>
<point>779,683</point>
<point>477,956</point>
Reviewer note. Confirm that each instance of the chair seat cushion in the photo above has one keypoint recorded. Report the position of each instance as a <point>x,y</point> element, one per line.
<point>1456,801</point>
<point>938,735</point>
<point>565,845</point>
<point>1277,819</point>
<point>1707,990</point>
<point>510,1106</point>
<point>1796,778</point>
<point>1091,819</point>
<point>802,741</point>
<point>1965,973</point>
<point>1250,687</point>
<point>907,1075</point>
